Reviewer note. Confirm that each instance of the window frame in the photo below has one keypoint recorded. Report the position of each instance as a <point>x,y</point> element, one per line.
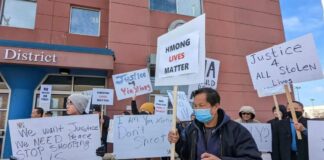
<point>37,92</point>
<point>8,91</point>
<point>201,6</point>
<point>85,8</point>
<point>3,3</point>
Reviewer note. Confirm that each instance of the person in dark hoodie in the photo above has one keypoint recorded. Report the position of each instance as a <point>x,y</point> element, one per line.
<point>213,135</point>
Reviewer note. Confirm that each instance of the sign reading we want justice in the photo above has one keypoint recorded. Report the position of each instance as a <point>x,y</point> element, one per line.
<point>289,62</point>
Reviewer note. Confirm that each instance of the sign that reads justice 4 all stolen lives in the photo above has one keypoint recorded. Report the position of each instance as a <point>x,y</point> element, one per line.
<point>290,62</point>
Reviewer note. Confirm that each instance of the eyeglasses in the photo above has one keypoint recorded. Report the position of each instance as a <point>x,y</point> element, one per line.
<point>243,113</point>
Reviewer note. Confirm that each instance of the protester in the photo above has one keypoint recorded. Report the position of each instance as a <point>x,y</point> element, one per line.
<point>125,113</point>
<point>212,135</point>
<point>76,104</point>
<point>105,126</point>
<point>282,113</point>
<point>285,145</point>
<point>48,114</point>
<point>146,108</point>
<point>247,115</point>
<point>37,112</point>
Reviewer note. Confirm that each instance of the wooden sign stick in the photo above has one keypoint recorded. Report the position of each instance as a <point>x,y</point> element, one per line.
<point>277,106</point>
<point>174,118</point>
<point>101,120</point>
<point>292,109</point>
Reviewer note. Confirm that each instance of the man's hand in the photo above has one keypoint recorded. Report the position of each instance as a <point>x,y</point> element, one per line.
<point>299,127</point>
<point>173,136</point>
<point>208,156</point>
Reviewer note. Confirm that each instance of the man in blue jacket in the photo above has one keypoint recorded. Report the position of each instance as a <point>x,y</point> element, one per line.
<point>213,135</point>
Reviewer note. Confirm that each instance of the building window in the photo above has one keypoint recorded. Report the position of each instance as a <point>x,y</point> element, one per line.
<point>85,21</point>
<point>184,7</point>
<point>18,13</point>
<point>4,103</point>
<point>63,86</point>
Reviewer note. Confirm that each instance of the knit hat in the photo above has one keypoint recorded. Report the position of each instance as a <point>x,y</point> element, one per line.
<point>79,101</point>
<point>148,107</point>
<point>247,109</point>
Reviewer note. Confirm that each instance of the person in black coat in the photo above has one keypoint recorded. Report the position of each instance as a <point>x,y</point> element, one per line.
<point>285,145</point>
<point>213,135</point>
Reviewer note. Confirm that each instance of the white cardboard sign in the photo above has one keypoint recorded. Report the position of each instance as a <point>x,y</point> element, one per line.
<point>161,105</point>
<point>102,96</point>
<point>129,83</point>
<point>184,109</point>
<point>262,135</point>
<point>315,139</point>
<point>176,52</point>
<point>141,136</point>
<point>45,97</point>
<point>290,62</point>
<point>63,137</point>
<point>110,135</point>
<point>179,56</point>
<point>211,76</point>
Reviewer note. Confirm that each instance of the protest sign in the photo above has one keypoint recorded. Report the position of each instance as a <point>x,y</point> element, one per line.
<point>141,136</point>
<point>286,63</point>
<point>181,54</point>
<point>45,97</point>
<point>127,84</point>
<point>102,96</point>
<point>56,138</point>
<point>261,134</point>
<point>211,76</point>
<point>272,91</point>
<point>161,105</point>
<point>315,139</point>
<point>110,135</point>
<point>184,109</point>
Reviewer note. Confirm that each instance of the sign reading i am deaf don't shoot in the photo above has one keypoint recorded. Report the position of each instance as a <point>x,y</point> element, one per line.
<point>290,62</point>
<point>181,55</point>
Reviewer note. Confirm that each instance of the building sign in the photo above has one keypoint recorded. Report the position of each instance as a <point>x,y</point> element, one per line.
<point>19,55</point>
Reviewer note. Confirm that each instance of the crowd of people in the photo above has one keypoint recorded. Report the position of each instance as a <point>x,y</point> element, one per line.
<point>212,134</point>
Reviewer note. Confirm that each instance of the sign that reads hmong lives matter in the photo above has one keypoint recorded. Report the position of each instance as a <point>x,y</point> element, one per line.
<point>290,62</point>
<point>180,56</point>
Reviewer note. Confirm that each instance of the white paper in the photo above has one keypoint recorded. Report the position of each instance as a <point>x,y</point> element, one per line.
<point>262,135</point>
<point>102,96</point>
<point>45,97</point>
<point>161,105</point>
<point>315,139</point>
<point>141,136</point>
<point>195,25</point>
<point>290,62</point>
<point>211,76</point>
<point>129,83</point>
<point>110,135</point>
<point>179,56</point>
<point>88,94</point>
<point>62,137</point>
<point>184,109</point>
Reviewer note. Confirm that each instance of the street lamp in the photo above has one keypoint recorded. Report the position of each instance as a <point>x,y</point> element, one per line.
<point>297,89</point>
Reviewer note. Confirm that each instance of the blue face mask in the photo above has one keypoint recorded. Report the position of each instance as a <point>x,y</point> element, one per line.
<point>203,115</point>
